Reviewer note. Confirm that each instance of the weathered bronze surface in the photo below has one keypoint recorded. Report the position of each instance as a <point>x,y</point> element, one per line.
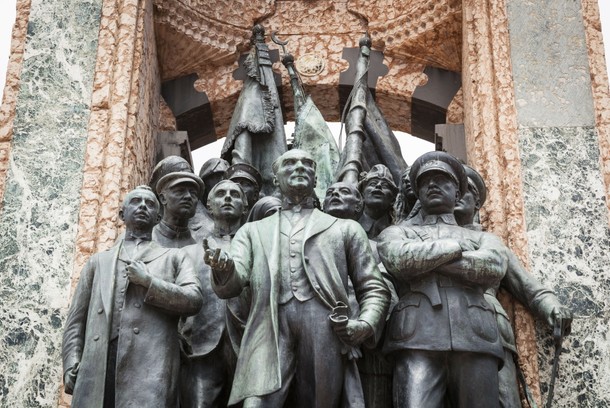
<point>123,320</point>
<point>212,335</point>
<point>293,304</point>
<point>297,263</point>
<point>517,281</point>
<point>442,331</point>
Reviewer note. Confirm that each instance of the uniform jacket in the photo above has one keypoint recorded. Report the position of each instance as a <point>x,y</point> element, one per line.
<point>334,250</point>
<point>525,288</point>
<point>521,284</point>
<point>441,305</point>
<point>148,357</point>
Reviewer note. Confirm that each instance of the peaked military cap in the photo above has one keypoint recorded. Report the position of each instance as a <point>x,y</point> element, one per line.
<point>476,182</point>
<point>244,170</point>
<point>440,162</point>
<point>168,165</point>
<point>177,177</point>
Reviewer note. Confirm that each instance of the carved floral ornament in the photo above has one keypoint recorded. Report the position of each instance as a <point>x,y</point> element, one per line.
<point>310,64</point>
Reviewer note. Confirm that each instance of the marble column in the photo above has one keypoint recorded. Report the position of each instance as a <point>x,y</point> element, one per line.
<point>490,122</point>
<point>40,206</point>
<point>564,196</point>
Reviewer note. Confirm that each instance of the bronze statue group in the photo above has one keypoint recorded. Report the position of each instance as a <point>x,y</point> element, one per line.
<point>247,286</point>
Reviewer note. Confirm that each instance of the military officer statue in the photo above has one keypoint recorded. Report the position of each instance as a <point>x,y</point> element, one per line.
<point>539,300</point>
<point>442,333</point>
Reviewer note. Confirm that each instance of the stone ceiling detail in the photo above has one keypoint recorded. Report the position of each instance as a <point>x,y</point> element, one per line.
<point>206,37</point>
<point>427,31</point>
<point>192,33</point>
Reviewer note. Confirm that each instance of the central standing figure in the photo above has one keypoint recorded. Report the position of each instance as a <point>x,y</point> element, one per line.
<point>297,264</point>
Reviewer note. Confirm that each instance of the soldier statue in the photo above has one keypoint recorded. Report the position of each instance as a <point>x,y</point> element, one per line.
<point>442,333</point>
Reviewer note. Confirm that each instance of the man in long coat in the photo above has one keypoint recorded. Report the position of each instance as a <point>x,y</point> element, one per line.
<point>120,343</point>
<point>297,264</point>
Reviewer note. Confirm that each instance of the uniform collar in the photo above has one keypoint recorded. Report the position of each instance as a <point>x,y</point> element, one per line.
<point>174,232</point>
<point>434,219</point>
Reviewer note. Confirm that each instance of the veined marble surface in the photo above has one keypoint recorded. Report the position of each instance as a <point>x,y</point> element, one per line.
<point>41,202</point>
<point>569,241</point>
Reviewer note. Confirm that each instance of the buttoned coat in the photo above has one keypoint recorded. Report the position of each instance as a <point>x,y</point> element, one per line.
<point>438,311</point>
<point>334,251</point>
<point>148,357</point>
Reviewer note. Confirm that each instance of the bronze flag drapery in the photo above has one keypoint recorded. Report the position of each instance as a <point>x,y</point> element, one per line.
<point>311,133</point>
<point>256,134</point>
<point>369,138</point>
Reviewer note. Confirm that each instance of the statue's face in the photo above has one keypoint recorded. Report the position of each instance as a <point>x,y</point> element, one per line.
<point>180,200</point>
<point>437,192</point>
<point>227,201</point>
<point>343,201</point>
<point>378,193</point>
<point>466,207</point>
<point>250,189</point>
<point>406,189</point>
<point>296,173</point>
<point>140,210</point>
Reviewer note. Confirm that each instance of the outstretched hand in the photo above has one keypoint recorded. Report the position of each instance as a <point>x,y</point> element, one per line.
<point>216,257</point>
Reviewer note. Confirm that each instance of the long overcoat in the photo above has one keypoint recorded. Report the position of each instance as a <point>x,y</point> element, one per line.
<point>148,358</point>
<point>334,251</point>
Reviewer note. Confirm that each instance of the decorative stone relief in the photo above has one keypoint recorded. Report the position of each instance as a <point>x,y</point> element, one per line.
<point>411,34</point>
<point>191,34</point>
<point>429,32</point>
<point>310,65</point>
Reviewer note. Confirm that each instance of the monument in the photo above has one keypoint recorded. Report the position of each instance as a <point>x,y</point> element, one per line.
<point>92,93</point>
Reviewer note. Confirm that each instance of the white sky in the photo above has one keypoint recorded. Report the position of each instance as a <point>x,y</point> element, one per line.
<point>415,146</point>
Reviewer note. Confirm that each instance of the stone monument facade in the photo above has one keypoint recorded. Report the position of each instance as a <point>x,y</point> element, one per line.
<point>87,94</point>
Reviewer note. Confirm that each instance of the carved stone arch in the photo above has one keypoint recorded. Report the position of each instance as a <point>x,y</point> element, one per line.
<point>209,39</point>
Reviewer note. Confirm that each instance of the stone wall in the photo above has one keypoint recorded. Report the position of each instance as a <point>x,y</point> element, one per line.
<point>41,198</point>
<point>11,87</point>
<point>561,129</point>
<point>123,124</point>
<point>492,144</point>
